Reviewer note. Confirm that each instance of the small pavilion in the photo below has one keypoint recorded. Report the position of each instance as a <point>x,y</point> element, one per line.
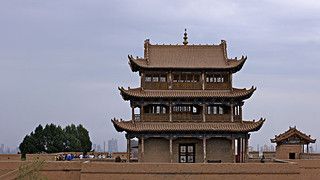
<point>292,143</point>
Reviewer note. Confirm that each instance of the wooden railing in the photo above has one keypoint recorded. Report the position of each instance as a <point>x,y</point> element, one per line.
<point>218,117</point>
<point>155,117</point>
<point>155,85</point>
<point>137,117</point>
<point>217,86</point>
<point>186,117</point>
<point>187,85</point>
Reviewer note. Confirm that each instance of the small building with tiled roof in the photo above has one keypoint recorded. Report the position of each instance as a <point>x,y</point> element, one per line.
<point>292,143</point>
<point>186,109</point>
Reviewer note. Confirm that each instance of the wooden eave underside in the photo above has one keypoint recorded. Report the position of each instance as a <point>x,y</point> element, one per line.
<point>140,93</point>
<point>141,65</point>
<point>158,127</point>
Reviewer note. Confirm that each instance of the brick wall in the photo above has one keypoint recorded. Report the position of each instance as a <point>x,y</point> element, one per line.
<point>219,149</point>
<point>296,170</point>
<point>282,151</point>
<point>156,150</point>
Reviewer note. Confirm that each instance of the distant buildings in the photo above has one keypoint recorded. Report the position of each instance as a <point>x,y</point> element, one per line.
<point>7,150</point>
<point>112,145</point>
<point>1,148</point>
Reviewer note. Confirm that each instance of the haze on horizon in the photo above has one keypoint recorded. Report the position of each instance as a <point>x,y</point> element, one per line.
<point>62,61</point>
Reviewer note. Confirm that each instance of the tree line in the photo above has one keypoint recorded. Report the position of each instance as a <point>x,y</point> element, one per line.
<point>53,139</point>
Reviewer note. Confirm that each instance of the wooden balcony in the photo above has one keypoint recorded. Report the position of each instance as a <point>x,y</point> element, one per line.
<point>186,117</point>
<point>155,117</point>
<point>217,86</point>
<point>137,117</point>
<point>218,117</point>
<point>187,85</point>
<point>237,118</point>
<point>155,85</point>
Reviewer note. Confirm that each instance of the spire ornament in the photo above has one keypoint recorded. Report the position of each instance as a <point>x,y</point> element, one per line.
<point>185,38</point>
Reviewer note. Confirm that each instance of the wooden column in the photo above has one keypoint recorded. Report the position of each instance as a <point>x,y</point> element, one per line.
<point>170,148</point>
<point>232,112</point>
<point>141,112</point>
<point>230,81</point>
<point>170,80</point>
<point>132,111</point>
<point>308,148</point>
<point>203,80</point>
<point>142,79</point>
<point>233,149</point>
<point>142,146</point>
<point>170,111</point>
<point>128,149</point>
<point>204,149</point>
<point>240,149</point>
<point>240,112</point>
<point>203,112</point>
<point>246,149</point>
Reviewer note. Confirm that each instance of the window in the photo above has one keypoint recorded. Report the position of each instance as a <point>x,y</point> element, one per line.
<point>156,78</point>
<point>217,109</point>
<point>185,109</point>
<point>186,77</point>
<point>155,109</point>
<point>216,78</point>
<point>236,110</point>
<point>186,153</point>
<point>194,110</point>
<point>163,78</point>
<point>209,109</point>
<point>148,79</point>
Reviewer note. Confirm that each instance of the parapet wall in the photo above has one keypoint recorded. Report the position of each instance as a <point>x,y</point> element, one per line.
<point>299,169</point>
<point>56,170</point>
<point>227,171</point>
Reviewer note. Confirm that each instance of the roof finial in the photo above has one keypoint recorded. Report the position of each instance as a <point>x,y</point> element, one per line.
<point>185,38</point>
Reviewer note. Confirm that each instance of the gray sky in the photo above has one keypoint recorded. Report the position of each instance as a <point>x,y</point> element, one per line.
<point>61,61</point>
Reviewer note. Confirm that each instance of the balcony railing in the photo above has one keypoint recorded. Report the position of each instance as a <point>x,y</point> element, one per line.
<point>186,117</point>
<point>155,117</point>
<point>218,117</point>
<point>186,85</point>
<point>137,117</point>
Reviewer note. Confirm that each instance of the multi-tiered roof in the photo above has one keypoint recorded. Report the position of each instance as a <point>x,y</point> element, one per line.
<point>194,58</point>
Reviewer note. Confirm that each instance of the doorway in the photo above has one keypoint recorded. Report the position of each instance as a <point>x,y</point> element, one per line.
<point>292,155</point>
<point>186,153</point>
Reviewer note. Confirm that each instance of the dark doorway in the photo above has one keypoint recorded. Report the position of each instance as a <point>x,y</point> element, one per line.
<point>292,155</point>
<point>186,153</point>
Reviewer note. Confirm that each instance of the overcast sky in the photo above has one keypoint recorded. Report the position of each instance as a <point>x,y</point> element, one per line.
<point>61,61</point>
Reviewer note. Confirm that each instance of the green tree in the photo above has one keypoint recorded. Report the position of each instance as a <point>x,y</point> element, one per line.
<point>52,139</point>
<point>77,138</point>
<point>83,136</point>
<point>72,141</point>
<point>28,145</point>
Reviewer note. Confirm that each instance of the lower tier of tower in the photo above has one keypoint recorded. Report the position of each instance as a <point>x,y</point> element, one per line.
<point>191,149</point>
